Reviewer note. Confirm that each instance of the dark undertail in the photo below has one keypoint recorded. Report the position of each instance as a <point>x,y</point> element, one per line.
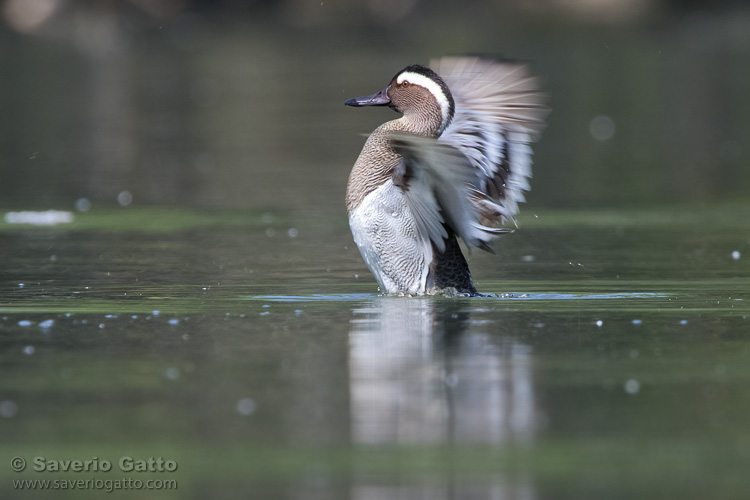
<point>450,270</point>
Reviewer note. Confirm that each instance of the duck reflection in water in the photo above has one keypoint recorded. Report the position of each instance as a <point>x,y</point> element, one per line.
<point>422,373</point>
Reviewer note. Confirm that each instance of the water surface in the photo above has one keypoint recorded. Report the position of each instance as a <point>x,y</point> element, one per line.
<point>264,362</point>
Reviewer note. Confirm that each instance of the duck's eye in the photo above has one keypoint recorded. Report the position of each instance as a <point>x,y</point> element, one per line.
<point>405,83</point>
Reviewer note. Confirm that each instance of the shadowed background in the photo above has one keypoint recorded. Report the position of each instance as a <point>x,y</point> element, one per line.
<point>240,104</point>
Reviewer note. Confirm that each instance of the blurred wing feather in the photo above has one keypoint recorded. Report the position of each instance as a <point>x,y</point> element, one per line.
<point>440,190</point>
<point>500,110</point>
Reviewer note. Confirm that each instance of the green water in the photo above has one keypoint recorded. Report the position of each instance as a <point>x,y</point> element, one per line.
<point>210,308</point>
<point>266,365</point>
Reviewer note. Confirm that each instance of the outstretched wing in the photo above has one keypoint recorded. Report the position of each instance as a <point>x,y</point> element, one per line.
<point>499,111</point>
<point>439,187</point>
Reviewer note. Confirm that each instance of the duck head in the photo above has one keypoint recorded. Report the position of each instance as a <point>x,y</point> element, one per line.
<point>420,95</point>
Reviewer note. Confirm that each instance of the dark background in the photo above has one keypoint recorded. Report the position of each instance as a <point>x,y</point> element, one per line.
<point>240,104</point>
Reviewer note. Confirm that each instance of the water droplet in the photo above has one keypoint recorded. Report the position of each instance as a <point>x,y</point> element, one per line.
<point>8,408</point>
<point>683,322</point>
<point>172,373</point>
<point>602,128</point>
<point>246,406</point>
<point>637,322</point>
<point>736,255</point>
<point>174,321</point>
<point>24,322</point>
<point>155,312</point>
<point>292,232</point>
<point>47,323</point>
<point>83,205</point>
<point>632,386</point>
<point>29,350</point>
<point>125,198</point>
<point>599,322</point>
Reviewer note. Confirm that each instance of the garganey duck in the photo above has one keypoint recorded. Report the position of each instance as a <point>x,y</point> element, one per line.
<point>455,164</point>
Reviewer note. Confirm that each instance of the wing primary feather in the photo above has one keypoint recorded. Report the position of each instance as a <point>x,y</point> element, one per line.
<point>500,110</point>
<point>443,194</point>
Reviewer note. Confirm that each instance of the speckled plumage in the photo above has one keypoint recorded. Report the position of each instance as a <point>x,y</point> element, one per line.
<point>446,169</point>
<point>375,164</point>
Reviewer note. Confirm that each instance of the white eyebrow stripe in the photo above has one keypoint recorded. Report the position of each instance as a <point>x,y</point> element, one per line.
<point>434,89</point>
